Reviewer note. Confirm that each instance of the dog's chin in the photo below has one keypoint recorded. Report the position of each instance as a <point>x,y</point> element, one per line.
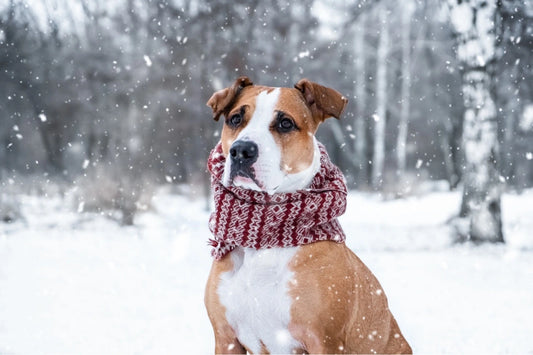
<point>256,179</point>
<point>254,184</point>
<point>245,182</point>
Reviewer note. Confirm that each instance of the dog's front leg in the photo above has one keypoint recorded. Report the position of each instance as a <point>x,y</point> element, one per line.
<point>226,341</point>
<point>225,345</point>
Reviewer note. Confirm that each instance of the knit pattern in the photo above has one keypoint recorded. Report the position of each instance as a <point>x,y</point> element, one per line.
<point>256,219</point>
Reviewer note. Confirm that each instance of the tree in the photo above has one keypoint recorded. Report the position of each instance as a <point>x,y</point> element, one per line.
<point>401,143</point>
<point>380,116</point>
<point>473,21</point>
<point>361,160</point>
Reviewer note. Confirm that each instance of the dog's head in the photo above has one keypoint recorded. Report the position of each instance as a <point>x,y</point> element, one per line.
<point>268,134</point>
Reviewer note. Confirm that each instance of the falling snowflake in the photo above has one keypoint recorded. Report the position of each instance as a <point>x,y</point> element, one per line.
<point>147,60</point>
<point>303,54</point>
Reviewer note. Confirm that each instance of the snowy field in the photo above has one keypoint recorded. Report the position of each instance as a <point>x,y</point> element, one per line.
<point>80,284</point>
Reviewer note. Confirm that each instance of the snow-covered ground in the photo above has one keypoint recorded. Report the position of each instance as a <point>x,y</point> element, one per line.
<point>79,283</point>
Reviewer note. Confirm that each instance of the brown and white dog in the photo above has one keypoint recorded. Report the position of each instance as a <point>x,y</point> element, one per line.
<point>252,297</point>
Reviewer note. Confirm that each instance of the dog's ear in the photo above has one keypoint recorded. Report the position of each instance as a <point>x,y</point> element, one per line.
<point>326,101</point>
<point>222,100</point>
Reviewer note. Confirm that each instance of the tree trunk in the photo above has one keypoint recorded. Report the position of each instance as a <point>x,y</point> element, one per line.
<point>473,21</point>
<point>361,161</point>
<point>380,117</point>
<point>401,149</point>
<point>448,153</point>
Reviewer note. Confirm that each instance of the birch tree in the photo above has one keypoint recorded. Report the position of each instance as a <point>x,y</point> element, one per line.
<point>401,151</point>
<point>360,98</point>
<point>473,22</point>
<point>380,116</point>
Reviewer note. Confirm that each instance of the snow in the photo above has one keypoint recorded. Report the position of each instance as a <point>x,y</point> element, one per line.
<point>461,17</point>
<point>147,60</point>
<point>79,283</point>
<point>526,122</point>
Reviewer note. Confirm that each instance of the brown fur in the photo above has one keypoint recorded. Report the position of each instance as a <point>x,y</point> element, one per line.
<point>338,304</point>
<point>222,100</point>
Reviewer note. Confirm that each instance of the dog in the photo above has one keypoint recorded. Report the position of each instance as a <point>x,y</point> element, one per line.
<point>266,292</point>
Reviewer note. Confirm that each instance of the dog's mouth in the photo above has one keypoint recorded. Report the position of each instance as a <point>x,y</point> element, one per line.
<point>244,176</point>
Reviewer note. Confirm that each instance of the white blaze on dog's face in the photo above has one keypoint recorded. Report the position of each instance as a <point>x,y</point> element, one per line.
<point>268,134</point>
<point>283,135</point>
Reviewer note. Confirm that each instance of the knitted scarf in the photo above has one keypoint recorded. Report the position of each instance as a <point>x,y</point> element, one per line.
<point>258,220</point>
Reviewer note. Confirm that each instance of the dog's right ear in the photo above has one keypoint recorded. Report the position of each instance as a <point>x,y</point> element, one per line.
<point>222,100</point>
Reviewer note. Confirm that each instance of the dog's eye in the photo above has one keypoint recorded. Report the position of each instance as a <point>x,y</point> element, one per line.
<point>285,125</point>
<point>235,120</point>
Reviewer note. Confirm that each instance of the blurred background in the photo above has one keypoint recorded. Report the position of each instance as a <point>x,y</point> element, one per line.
<point>111,94</point>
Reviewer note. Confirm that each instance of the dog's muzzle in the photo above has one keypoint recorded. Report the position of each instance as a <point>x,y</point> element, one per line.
<point>243,155</point>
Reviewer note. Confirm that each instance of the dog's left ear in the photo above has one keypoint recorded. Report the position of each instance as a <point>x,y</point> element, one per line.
<point>222,100</point>
<point>328,102</point>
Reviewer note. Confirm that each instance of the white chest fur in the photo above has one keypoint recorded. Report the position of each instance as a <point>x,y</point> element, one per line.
<point>255,295</point>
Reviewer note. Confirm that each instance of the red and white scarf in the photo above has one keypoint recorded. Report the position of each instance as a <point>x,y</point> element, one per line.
<point>258,220</point>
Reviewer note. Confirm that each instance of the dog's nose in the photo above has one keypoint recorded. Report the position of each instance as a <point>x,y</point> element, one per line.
<point>243,153</point>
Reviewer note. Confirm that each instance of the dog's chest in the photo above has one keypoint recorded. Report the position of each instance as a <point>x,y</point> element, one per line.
<point>255,295</point>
